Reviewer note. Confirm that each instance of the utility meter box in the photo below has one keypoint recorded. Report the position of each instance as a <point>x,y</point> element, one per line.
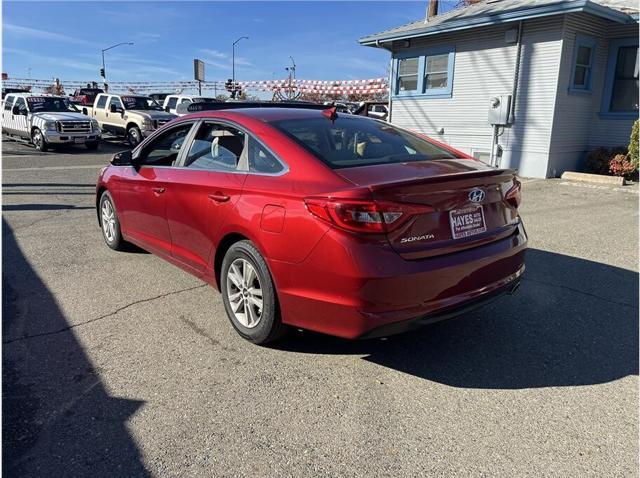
<point>499,107</point>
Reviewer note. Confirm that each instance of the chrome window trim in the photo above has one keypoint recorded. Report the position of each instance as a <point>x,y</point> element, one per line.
<point>182,148</point>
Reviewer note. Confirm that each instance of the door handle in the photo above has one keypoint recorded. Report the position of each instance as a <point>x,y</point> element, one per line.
<point>219,197</point>
<point>158,191</point>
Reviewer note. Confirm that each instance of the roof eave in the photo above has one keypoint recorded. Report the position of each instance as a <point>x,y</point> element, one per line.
<point>574,6</point>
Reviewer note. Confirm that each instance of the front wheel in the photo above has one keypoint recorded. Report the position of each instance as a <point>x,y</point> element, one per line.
<point>37,138</point>
<point>249,295</point>
<point>110,224</point>
<point>134,136</point>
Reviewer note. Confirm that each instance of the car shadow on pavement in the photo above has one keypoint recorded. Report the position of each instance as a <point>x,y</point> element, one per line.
<point>572,322</point>
<point>58,417</point>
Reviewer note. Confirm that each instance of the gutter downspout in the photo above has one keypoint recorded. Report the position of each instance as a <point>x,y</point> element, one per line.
<point>516,75</point>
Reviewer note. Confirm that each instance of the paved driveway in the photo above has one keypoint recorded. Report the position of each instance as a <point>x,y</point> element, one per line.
<point>119,364</point>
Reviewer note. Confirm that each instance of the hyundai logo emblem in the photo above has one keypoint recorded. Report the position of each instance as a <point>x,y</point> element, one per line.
<point>476,195</point>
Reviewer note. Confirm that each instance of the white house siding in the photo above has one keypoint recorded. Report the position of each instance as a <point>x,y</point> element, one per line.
<point>577,126</point>
<point>484,67</point>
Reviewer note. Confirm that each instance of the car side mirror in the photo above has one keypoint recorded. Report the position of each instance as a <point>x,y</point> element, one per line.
<point>113,108</point>
<point>166,108</point>
<point>123,158</point>
<point>15,110</point>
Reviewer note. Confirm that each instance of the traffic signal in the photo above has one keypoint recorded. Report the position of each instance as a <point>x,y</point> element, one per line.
<point>228,85</point>
<point>102,72</point>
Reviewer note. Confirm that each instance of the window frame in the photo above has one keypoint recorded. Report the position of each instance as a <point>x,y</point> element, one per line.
<point>240,168</point>
<point>590,42</point>
<point>422,55</point>
<point>142,152</point>
<point>607,92</point>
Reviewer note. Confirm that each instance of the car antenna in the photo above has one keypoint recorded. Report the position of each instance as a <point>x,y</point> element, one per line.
<point>330,113</point>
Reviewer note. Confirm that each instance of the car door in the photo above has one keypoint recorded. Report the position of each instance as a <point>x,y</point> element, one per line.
<point>7,115</point>
<point>142,190</point>
<point>113,120</point>
<point>99,110</point>
<point>204,191</point>
<point>19,121</point>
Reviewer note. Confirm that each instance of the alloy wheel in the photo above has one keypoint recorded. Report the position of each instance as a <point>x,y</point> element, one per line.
<point>244,293</point>
<point>108,221</point>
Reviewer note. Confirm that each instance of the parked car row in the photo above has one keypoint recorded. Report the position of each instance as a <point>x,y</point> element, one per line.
<point>84,116</point>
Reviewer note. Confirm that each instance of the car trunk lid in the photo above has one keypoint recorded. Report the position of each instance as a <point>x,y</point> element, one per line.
<point>468,201</point>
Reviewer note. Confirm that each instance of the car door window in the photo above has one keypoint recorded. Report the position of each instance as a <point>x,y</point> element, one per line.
<point>261,160</point>
<point>8,103</point>
<point>115,101</point>
<point>165,149</point>
<point>22,105</point>
<point>185,100</point>
<point>102,101</point>
<point>216,147</point>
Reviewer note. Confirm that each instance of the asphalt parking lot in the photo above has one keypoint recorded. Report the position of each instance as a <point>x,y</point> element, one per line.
<point>119,364</point>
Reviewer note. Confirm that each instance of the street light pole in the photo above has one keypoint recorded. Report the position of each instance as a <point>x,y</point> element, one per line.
<point>103,71</point>
<point>233,62</point>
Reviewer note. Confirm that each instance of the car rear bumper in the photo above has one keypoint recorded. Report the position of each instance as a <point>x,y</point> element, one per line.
<point>353,290</point>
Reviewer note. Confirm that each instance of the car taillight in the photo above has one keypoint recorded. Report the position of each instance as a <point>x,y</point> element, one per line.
<point>513,196</point>
<point>373,217</point>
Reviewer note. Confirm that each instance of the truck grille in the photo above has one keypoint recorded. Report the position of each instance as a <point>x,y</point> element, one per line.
<point>74,126</point>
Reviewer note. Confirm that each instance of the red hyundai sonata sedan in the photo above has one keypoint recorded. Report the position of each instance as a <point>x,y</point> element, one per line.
<point>306,218</point>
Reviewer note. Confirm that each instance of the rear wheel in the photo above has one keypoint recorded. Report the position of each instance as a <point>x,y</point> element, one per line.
<point>37,138</point>
<point>110,224</point>
<point>249,295</point>
<point>134,136</point>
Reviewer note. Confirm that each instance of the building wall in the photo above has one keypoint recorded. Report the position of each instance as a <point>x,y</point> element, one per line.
<point>484,67</point>
<point>578,126</point>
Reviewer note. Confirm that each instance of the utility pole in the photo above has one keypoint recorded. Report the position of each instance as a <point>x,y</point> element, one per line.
<point>233,63</point>
<point>103,73</point>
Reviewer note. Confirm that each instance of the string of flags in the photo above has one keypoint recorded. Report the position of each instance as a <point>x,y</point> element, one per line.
<point>371,85</point>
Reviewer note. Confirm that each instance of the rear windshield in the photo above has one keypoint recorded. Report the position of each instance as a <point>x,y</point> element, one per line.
<point>352,141</point>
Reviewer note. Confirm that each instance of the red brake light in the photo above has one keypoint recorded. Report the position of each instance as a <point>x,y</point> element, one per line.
<point>513,196</point>
<point>373,217</point>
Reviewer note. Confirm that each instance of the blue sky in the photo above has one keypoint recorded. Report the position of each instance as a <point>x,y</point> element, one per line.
<point>64,39</point>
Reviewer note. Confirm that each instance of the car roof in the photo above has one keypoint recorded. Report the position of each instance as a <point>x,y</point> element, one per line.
<point>268,115</point>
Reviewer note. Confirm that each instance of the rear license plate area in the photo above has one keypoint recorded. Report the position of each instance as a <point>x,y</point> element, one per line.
<point>467,221</point>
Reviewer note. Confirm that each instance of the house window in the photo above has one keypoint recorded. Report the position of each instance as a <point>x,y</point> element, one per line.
<point>408,74</point>
<point>582,63</point>
<point>624,97</point>
<point>436,72</point>
<point>424,73</point>
<point>620,97</point>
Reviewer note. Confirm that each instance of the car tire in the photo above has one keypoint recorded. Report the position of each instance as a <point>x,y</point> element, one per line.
<point>134,136</point>
<point>245,282</point>
<point>111,232</point>
<point>37,138</point>
<point>92,145</point>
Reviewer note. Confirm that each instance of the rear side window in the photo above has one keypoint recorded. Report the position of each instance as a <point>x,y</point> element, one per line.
<point>261,160</point>
<point>171,104</point>
<point>216,147</point>
<point>102,100</point>
<point>352,141</point>
<point>8,103</point>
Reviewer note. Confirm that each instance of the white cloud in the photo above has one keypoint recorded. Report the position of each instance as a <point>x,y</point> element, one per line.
<point>213,53</point>
<point>21,31</point>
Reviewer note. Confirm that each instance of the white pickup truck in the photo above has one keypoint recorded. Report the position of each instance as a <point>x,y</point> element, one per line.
<point>130,116</point>
<point>177,104</point>
<point>47,120</point>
